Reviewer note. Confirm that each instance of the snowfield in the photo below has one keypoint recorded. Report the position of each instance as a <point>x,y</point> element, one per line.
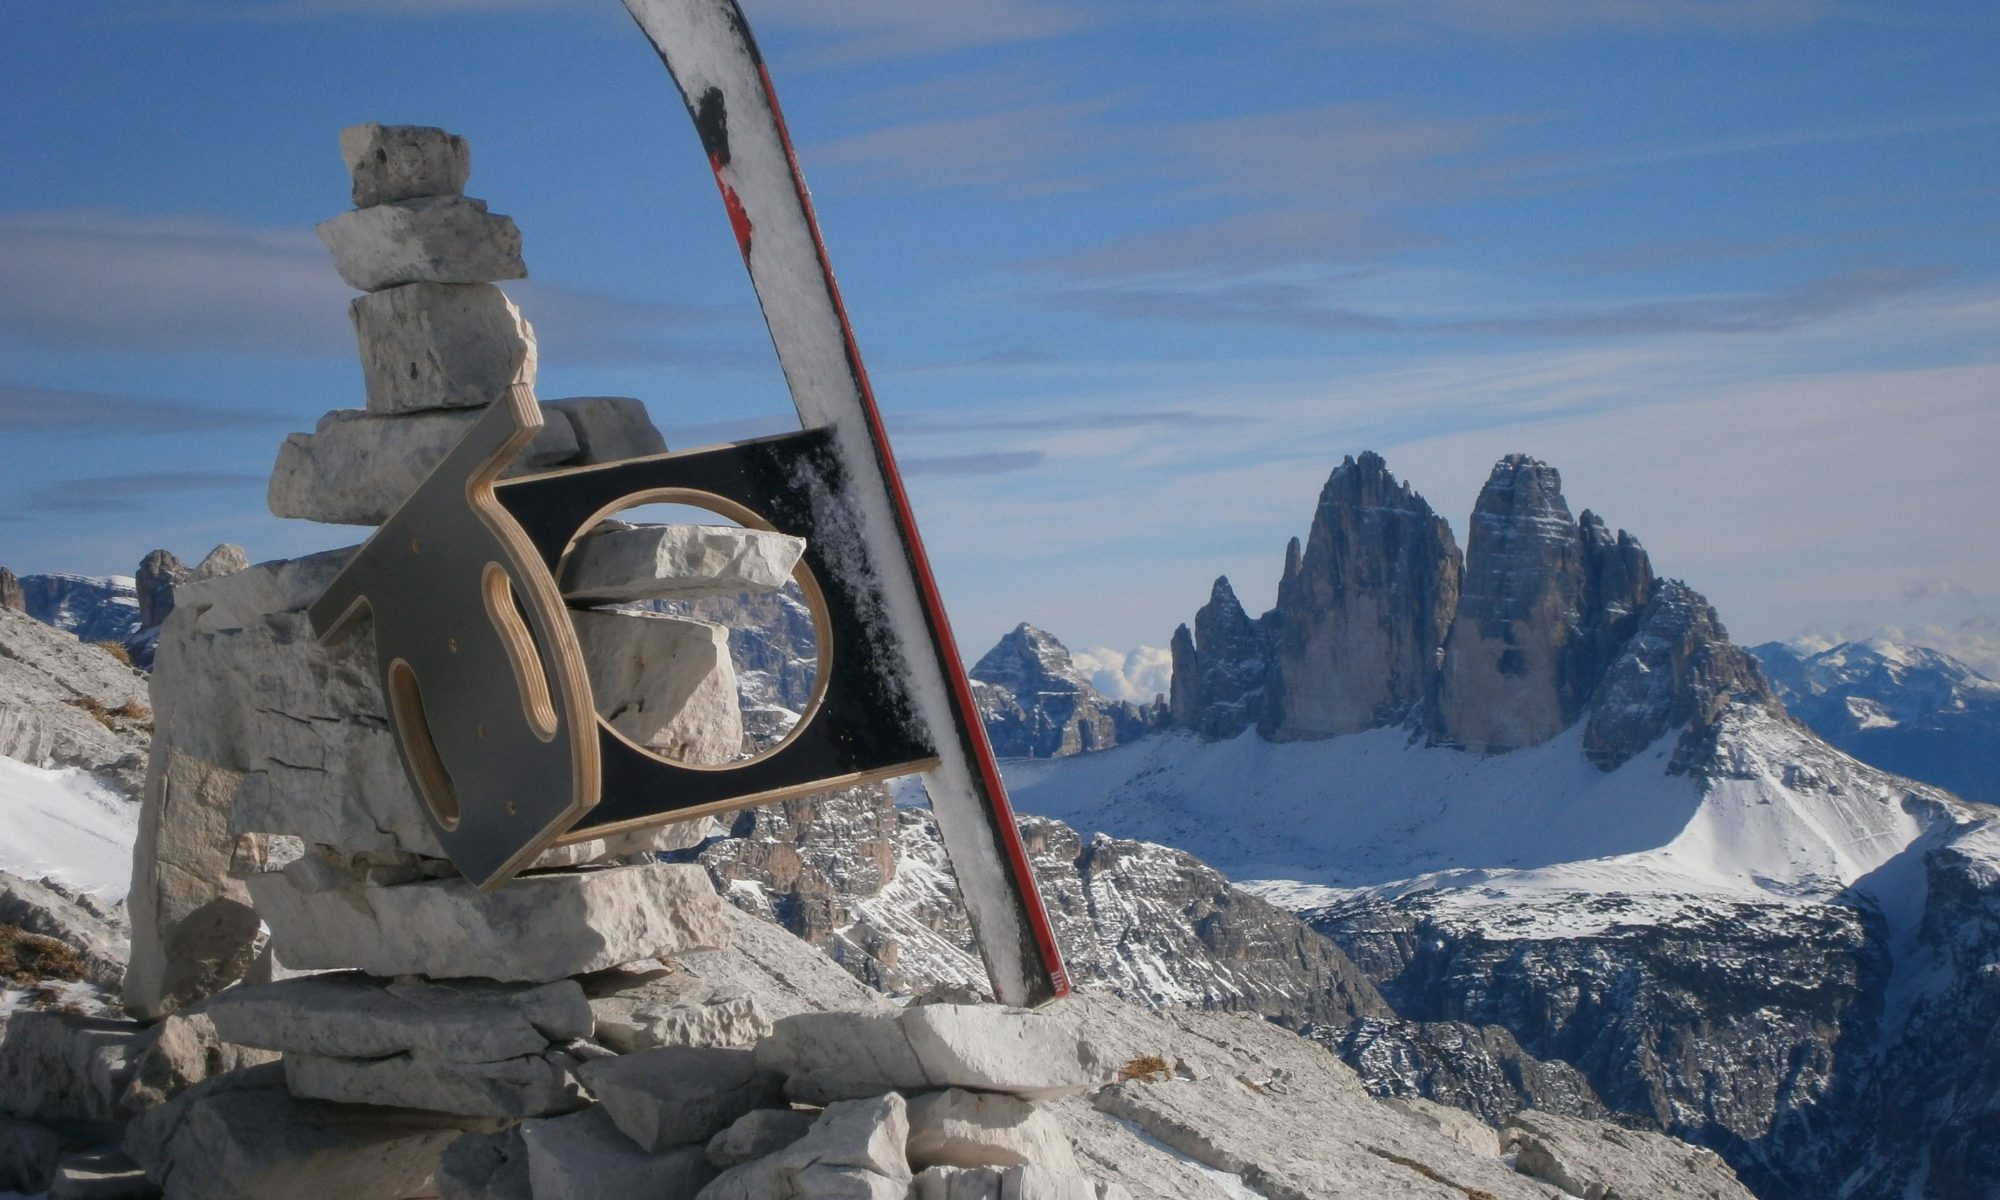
<point>67,824</point>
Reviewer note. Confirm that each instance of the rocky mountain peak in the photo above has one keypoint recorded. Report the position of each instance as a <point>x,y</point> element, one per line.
<point>1362,612</point>
<point>11,595</point>
<point>1035,703</point>
<point>159,572</point>
<point>1221,667</point>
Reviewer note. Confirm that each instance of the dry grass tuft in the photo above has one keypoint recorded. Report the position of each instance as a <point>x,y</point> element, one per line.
<point>116,650</point>
<point>1147,1068</point>
<point>94,707</point>
<point>26,958</point>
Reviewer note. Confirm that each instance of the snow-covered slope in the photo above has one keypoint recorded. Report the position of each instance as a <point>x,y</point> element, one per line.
<point>68,824</point>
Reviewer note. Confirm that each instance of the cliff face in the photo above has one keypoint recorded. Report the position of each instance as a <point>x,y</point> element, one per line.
<point>1222,668</point>
<point>1362,612</point>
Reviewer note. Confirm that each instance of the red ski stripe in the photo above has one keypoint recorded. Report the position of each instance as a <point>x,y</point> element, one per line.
<point>1001,810</point>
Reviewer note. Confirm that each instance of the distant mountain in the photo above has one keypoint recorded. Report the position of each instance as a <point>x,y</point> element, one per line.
<point>1036,702</point>
<point>124,610</point>
<point>1908,709</point>
<point>1535,787</point>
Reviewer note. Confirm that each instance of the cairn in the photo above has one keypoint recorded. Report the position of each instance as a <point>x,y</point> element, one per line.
<point>337,1010</point>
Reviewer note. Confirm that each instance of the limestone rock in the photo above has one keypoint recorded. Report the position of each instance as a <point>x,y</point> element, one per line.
<point>756,1134</point>
<point>956,1128</point>
<point>106,1175</point>
<point>583,1157</point>
<point>357,468</point>
<point>1222,669</point>
<point>609,428</point>
<point>532,1085</point>
<point>28,1154</point>
<point>677,1095</point>
<point>57,1066</point>
<point>350,1015</point>
<point>1455,1123</point>
<point>178,1053</point>
<point>839,1055</point>
<point>531,930</point>
<point>243,1136</point>
<point>42,910</point>
<point>645,1010</point>
<point>1595,1161</point>
<point>440,345</point>
<point>226,559</point>
<point>484,1166</point>
<point>158,572</point>
<point>664,682</point>
<point>11,595</point>
<point>400,162</point>
<point>427,239</point>
<point>51,687</point>
<point>854,1150</point>
<point>616,563</point>
<point>1363,611</point>
<point>1679,671</point>
<point>659,839</point>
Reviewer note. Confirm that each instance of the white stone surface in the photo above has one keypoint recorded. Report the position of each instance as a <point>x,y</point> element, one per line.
<point>533,1085</point>
<point>440,345</point>
<point>583,1157</point>
<point>357,467</point>
<point>538,928</point>
<point>667,1010</point>
<point>679,1095</point>
<point>617,563</point>
<point>610,428</point>
<point>831,1056</point>
<point>350,1015</point>
<point>666,683</point>
<point>178,1053</point>
<point>426,239</point>
<point>398,162</point>
<point>1596,1161</point>
<point>854,1151</point>
<point>756,1134</point>
<point>957,1128</point>
<point>1023,1182</point>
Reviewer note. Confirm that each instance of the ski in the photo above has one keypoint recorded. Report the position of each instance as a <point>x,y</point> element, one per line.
<point>708,49</point>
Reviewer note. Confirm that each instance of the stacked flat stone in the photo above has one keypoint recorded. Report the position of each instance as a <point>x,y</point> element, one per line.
<point>276,796</point>
<point>935,1102</point>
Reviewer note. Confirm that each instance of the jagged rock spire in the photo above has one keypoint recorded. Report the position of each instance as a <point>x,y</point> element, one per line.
<point>1362,612</point>
<point>1221,668</point>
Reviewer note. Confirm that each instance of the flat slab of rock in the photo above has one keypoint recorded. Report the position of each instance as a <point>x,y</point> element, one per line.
<point>672,1010</point>
<point>426,239</point>
<point>680,1095</point>
<point>108,1175</point>
<point>399,162</point>
<point>533,1085</point>
<point>1597,1161</point>
<point>440,345</point>
<point>853,1151</point>
<point>1023,1182</point>
<point>616,563</point>
<point>956,1128</point>
<point>583,1157</point>
<point>357,468</point>
<point>59,1066</point>
<point>537,929</point>
<point>666,683</point>
<point>756,1134</point>
<point>350,1015</point>
<point>841,1055</point>
<point>243,1136</point>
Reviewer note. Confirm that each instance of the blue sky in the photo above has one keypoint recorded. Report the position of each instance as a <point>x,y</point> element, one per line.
<point>1131,275</point>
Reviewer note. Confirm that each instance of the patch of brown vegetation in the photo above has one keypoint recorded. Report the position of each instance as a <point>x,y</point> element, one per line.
<point>116,650</point>
<point>94,707</point>
<point>1147,1068</point>
<point>132,710</point>
<point>26,958</point>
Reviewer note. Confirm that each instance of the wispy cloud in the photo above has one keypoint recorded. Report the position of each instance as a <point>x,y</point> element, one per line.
<point>25,410</point>
<point>128,493</point>
<point>997,463</point>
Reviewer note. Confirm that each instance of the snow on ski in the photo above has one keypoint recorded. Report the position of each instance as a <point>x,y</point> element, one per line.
<point>708,48</point>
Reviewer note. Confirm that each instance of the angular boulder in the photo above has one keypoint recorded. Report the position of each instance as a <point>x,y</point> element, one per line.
<point>401,162</point>
<point>610,428</point>
<point>854,1151</point>
<point>666,683</point>
<point>678,1095</point>
<point>57,1066</point>
<point>756,1134</point>
<point>616,563</point>
<point>957,1128</point>
<point>351,1015</point>
<point>583,1157</point>
<point>533,1085</point>
<point>440,345</point>
<point>841,1055</point>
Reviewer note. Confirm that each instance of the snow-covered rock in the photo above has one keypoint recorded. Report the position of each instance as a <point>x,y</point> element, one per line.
<point>1036,703</point>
